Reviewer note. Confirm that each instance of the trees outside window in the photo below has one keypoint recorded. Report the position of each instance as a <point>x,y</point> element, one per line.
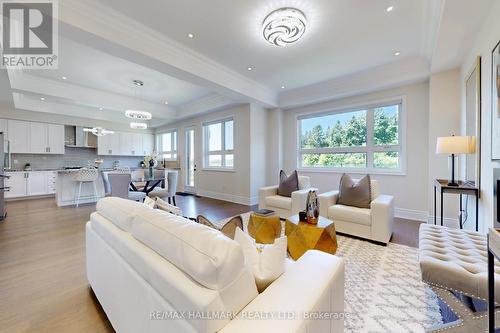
<point>367,138</point>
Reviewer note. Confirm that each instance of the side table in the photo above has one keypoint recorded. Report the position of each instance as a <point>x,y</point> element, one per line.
<point>302,236</point>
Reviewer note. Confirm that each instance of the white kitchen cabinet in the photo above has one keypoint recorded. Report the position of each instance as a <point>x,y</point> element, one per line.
<point>36,183</point>
<point>125,144</point>
<point>35,138</point>
<point>126,140</point>
<point>51,182</point>
<point>136,146</point>
<point>109,144</point>
<point>38,135</point>
<point>16,184</point>
<point>30,183</point>
<point>55,139</point>
<point>148,144</point>
<point>19,136</point>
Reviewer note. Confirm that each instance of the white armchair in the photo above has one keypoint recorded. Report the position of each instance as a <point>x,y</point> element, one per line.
<point>374,223</point>
<point>285,206</point>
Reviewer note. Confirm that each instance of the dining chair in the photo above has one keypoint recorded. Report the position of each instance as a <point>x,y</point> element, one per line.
<point>168,188</point>
<point>120,183</point>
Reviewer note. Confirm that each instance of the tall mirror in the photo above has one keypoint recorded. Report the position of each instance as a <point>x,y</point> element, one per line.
<point>473,121</point>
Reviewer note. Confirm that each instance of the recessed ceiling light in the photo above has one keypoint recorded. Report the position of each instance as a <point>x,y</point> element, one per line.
<point>249,68</point>
<point>282,87</point>
<point>190,35</point>
<point>397,53</point>
<point>100,109</point>
<point>166,102</point>
<point>138,83</point>
<point>64,78</point>
<point>389,9</point>
<point>284,26</point>
<point>42,98</point>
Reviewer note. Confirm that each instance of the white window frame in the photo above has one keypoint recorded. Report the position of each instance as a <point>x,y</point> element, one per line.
<point>173,145</point>
<point>223,152</point>
<point>370,147</point>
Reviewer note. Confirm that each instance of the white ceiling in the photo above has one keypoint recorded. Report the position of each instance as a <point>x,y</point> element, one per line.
<point>85,66</point>
<point>348,48</point>
<point>342,37</point>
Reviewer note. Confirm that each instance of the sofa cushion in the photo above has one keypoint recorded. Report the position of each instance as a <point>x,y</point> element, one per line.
<point>288,184</point>
<point>350,214</point>
<point>267,261</point>
<point>209,257</point>
<point>355,193</point>
<point>279,202</point>
<point>120,212</point>
<point>304,182</point>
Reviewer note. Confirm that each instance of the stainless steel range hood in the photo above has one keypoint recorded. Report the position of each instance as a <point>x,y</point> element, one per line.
<point>76,137</point>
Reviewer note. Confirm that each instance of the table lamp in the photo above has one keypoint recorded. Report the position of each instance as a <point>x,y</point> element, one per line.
<point>454,145</point>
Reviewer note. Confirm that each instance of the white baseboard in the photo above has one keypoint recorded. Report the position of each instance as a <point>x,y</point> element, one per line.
<point>226,197</point>
<point>410,214</point>
<point>423,216</point>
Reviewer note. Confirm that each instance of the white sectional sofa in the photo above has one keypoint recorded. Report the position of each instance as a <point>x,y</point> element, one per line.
<point>156,272</point>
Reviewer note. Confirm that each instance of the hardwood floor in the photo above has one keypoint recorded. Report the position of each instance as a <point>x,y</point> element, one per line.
<point>43,286</point>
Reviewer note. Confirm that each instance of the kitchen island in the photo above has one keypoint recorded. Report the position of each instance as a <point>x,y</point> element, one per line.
<point>67,188</point>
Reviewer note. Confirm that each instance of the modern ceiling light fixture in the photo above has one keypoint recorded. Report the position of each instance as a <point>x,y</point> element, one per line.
<point>397,53</point>
<point>98,131</point>
<point>284,26</point>
<point>136,114</point>
<point>190,35</point>
<point>249,68</point>
<point>64,78</point>
<point>389,9</point>
<point>138,125</point>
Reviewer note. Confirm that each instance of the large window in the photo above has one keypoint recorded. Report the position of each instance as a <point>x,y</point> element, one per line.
<point>218,144</point>
<point>166,144</point>
<point>367,139</point>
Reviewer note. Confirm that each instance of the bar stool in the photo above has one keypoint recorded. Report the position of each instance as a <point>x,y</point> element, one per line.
<point>86,176</point>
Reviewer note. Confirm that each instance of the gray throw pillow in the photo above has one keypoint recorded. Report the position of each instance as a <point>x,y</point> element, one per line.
<point>228,229</point>
<point>355,194</point>
<point>288,184</point>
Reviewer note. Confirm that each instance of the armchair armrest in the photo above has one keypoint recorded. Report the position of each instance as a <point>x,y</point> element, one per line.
<point>299,199</point>
<point>293,299</point>
<point>266,192</point>
<point>326,200</point>
<point>382,214</point>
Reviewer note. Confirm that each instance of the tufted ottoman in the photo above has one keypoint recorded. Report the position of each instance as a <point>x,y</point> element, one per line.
<point>454,263</point>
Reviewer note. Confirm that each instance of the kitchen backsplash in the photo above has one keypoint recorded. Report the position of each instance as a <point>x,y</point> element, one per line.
<point>72,157</point>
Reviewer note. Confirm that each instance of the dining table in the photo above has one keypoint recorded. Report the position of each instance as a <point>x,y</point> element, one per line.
<point>149,183</point>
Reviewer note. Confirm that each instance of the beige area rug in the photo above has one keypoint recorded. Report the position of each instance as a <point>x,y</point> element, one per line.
<point>383,289</point>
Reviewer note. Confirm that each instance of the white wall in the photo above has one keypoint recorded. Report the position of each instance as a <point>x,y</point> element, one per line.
<point>258,149</point>
<point>486,40</point>
<point>240,185</point>
<point>274,145</point>
<point>410,190</point>
<point>444,120</point>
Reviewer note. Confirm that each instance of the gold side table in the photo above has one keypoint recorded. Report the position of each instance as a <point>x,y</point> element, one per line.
<point>264,229</point>
<point>302,236</point>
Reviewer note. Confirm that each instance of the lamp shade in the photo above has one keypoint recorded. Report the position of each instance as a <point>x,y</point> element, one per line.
<point>456,145</point>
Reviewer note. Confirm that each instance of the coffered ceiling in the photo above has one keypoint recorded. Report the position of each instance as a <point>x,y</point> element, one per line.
<point>349,47</point>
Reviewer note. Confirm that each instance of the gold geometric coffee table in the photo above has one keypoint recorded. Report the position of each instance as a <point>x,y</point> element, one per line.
<point>302,236</point>
<point>264,229</point>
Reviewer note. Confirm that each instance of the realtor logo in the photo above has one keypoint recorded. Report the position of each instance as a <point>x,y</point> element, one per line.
<point>29,34</point>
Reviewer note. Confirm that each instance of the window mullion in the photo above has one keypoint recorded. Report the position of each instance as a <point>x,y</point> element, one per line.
<point>370,124</point>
